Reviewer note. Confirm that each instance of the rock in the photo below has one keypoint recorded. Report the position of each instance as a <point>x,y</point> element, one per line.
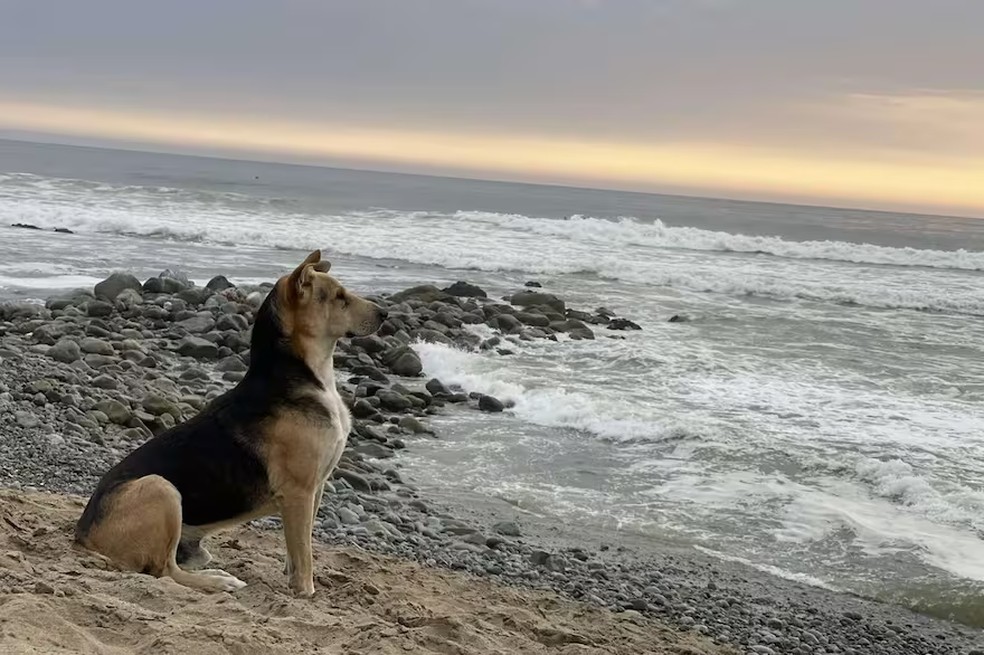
<point>533,284</point>
<point>115,411</point>
<point>26,419</point>
<point>233,363</point>
<point>128,299</point>
<point>98,308</point>
<point>507,528</point>
<point>115,284</point>
<point>404,362</point>
<point>506,323</point>
<point>529,318</point>
<point>198,348</point>
<point>412,424</point>
<point>96,346</point>
<point>20,310</point>
<point>490,404</point>
<point>358,482</point>
<point>363,409</point>
<point>177,276</point>
<point>539,557</point>
<point>465,290</point>
<point>158,405</point>
<point>195,295</point>
<point>197,324</point>
<point>393,401</point>
<point>436,388</point>
<point>433,336</point>
<point>424,293</point>
<point>678,318</point>
<point>537,299</point>
<point>622,324</point>
<point>25,226</point>
<point>65,351</point>
<point>374,450</point>
<point>105,382</point>
<point>236,322</point>
<point>219,283</point>
<point>347,516</point>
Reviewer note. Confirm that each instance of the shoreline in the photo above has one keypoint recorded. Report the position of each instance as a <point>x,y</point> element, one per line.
<point>84,379</point>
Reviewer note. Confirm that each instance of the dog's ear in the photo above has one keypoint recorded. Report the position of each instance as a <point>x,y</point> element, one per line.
<point>323,266</point>
<point>300,280</point>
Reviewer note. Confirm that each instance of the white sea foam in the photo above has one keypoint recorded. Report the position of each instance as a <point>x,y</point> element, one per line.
<point>546,406</point>
<point>651,254</point>
<point>656,234</point>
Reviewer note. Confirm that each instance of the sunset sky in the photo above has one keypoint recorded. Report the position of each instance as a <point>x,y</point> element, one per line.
<point>871,103</point>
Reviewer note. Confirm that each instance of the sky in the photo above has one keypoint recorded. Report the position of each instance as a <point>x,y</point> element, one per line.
<point>863,103</point>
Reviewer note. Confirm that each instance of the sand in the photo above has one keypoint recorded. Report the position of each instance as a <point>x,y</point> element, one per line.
<point>58,599</point>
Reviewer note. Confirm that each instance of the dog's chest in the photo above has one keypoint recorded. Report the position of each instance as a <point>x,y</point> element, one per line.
<point>335,433</point>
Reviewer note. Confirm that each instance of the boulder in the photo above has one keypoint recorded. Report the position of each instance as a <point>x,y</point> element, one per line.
<point>219,283</point>
<point>462,289</point>
<point>424,292</point>
<point>115,284</point>
<point>538,299</point>
<point>198,348</point>
<point>65,351</point>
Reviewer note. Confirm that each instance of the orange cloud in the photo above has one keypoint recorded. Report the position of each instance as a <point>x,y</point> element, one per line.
<point>945,182</point>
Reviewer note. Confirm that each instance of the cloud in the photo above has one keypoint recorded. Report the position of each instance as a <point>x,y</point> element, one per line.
<point>696,166</point>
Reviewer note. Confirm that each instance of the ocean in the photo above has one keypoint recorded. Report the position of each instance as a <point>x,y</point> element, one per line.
<point>820,415</point>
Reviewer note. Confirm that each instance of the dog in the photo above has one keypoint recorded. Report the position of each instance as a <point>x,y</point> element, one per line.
<point>266,446</point>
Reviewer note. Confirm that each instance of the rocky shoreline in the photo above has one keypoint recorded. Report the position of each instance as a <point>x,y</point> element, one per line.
<point>88,376</point>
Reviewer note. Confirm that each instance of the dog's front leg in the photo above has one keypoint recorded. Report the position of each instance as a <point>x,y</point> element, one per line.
<point>297,512</point>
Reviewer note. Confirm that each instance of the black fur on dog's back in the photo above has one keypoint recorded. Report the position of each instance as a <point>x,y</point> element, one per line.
<point>213,459</point>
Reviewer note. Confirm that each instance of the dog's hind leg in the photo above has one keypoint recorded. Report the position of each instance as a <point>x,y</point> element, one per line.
<point>191,554</point>
<point>140,530</point>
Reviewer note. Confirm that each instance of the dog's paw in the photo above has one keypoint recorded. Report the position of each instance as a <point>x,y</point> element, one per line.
<point>224,581</point>
<point>230,584</point>
<point>303,591</point>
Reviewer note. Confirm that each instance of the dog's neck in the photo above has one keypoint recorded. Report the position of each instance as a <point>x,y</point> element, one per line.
<point>322,364</point>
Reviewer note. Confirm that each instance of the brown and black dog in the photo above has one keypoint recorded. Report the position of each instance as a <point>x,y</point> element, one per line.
<point>266,446</point>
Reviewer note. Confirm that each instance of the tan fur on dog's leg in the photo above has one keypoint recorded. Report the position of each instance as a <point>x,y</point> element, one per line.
<point>297,513</point>
<point>140,531</point>
<point>314,520</point>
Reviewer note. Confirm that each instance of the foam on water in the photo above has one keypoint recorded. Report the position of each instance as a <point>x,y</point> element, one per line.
<point>545,406</point>
<point>628,250</point>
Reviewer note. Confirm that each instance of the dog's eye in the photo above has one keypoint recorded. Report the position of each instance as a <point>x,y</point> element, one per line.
<point>344,298</point>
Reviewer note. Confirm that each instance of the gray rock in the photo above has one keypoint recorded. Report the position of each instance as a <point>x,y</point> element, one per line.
<point>65,351</point>
<point>236,322</point>
<point>424,293</point>
<point>96,346</point>
<point>158,405</point>
<point>128,299</point>
<point>114,285</point>
<point>412,424</point>
<point>530,318</point>
<point>393,401</point>
<point>465,290</point>
<point>219,283</point>
<point>506,323</point>
<point>538,299</point>
<point>347,516</point>
<point>405,362</point>
<point>507,528</point>
<point>26,419</point>
<point>97,308</point>
<point>105,382</point>
<point>436,388</point>
<point>622,324</point>
<point>358,482</point>
<point>198,348</point>
<point>490,404</point>
<point>115,411</point>
<point>197,324</point>
<point>232,363</point>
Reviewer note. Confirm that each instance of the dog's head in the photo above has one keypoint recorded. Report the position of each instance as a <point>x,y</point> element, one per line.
<point>315,306</point>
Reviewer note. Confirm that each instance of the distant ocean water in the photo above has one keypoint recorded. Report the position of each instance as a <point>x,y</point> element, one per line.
<point>821,416</point>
